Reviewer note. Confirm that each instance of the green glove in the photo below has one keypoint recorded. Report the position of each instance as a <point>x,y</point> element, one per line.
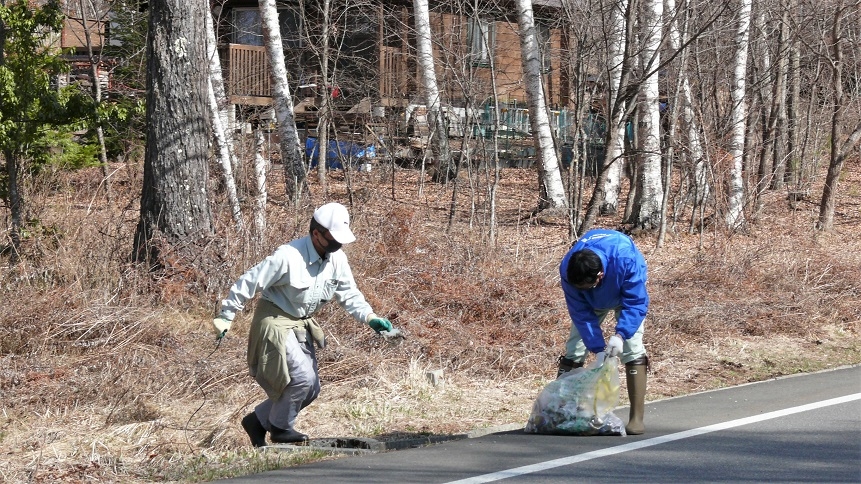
<point>221,325</point>
<point>380,324</point>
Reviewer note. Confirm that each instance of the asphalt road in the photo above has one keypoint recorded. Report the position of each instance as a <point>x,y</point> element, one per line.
<point>804,428</point>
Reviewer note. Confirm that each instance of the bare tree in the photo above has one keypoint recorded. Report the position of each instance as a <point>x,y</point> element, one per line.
<point>291,148</point>
<point>261,167</point>
<point>839,151</point>
<point>735,211</point>
<point>436,118</point>
<point>693,143</point>
<point>548,162</point>
<point>220,120</point>
<point>647,207</point>
<point>621,23</point>
<point>92,17</point>
<point>174,202</point>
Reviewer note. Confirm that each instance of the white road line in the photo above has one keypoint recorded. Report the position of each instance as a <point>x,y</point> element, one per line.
<point>596,454</point>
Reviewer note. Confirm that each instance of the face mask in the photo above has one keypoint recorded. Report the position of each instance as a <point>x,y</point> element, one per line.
<point>332,245</point>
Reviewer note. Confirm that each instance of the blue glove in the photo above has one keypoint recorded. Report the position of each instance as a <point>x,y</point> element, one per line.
<point>380,324</point>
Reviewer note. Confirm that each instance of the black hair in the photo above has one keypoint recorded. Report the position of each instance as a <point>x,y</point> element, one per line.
<point>583,267</point>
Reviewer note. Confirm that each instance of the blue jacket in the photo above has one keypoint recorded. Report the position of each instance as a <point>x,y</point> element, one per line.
<point>622,288</point>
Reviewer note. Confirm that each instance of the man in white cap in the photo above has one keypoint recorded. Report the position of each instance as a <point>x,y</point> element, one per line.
<point>294,283</point>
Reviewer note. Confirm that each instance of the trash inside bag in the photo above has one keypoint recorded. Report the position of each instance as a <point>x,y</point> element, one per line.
<point>581,402</point>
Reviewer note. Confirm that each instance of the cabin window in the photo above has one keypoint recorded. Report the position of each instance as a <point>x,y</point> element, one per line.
<point>481,41</point>
<point>542,37</point>
<point>248,27</point>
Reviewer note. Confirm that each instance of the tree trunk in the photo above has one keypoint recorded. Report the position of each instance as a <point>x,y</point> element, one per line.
<point>261,166</point>
<point>688,120</point>
<point>838,151</point>
<point>220,128</point>
<point>16,205</point>
<point>793,109</point>
<point>97,98</point>
<point>548,162</point>
<point>779,99</point>
<point>647,211</point>
<point>734,217</point>
<point>613,161</point>
<point>174,203</point>
<point>438,127</point>
<point>291,148</point>
<point>325,102</point>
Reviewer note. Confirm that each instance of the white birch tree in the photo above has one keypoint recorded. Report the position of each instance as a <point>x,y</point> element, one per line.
<point>291,148</point>
<point>217,99</point>
<point>734,217</point>
<point>613,160</point>
<point>436,119</point>
<point>261,167</point>
<point>694,145</point>
<point>647,210</point>
<point>548,162</point>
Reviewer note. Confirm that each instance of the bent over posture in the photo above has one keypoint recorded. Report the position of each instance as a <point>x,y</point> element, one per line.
<point>605,272</point>
<point>294,283</point>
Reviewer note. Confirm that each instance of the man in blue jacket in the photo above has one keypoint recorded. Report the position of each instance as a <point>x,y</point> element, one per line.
<point>605,272</point>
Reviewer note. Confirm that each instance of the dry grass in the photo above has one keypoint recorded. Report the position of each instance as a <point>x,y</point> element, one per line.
<point>109,373</point>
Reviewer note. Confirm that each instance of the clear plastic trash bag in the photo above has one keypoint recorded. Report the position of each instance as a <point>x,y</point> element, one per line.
<point>580,402</point>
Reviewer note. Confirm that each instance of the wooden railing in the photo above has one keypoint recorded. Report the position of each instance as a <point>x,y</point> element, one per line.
<point>248,77</point>
<point>393,70</point>
<point>248,80</point>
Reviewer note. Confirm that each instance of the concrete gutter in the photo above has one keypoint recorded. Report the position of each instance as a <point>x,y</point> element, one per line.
<point>362,445</point>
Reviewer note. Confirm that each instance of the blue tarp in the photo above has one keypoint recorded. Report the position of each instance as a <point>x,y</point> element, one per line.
<point>339,151</point>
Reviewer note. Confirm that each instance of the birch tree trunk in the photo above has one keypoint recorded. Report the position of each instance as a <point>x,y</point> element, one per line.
<point>647,211</point>
<point>261,166</point>
<point>224,111</point>
<point>291,149</point>
<point>225,156</point>
<point>734,217</point>
<point>613,159</point>
<point>442,161</point>
<point>702,188</point>
<point>216,97</point>
<point>548,162</point>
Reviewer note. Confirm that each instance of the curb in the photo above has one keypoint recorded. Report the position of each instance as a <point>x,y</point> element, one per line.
<point>362,445</point>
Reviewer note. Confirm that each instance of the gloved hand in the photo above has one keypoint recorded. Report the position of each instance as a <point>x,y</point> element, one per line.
<point>614,346</point>
<point>221,325</point>
<point>380,324</point>
<point>394,335</point>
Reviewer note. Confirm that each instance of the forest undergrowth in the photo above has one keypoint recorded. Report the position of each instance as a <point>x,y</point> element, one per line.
<point>111,373</point>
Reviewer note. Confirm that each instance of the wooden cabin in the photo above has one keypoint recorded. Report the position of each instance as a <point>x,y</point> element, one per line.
<point>374,81</point>
<point>79,38</point>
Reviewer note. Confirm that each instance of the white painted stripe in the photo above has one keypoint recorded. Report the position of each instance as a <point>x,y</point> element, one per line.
<point>597,454</point>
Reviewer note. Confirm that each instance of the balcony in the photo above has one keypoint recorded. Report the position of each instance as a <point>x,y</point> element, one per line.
<point>248,79</point>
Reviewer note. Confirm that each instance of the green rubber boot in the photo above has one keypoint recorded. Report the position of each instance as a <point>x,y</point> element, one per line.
<point>635,375</point>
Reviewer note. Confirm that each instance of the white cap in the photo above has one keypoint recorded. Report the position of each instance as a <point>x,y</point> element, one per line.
<point>335,218</point>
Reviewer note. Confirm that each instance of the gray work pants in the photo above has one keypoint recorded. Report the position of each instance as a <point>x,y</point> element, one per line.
<point>304,386</point>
